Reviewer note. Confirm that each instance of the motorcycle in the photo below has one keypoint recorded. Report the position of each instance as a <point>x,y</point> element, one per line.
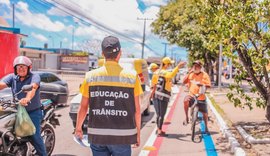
<point>10,144</point>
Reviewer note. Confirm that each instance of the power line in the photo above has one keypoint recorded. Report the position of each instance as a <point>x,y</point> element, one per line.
<point>74,12</point>
<point>38,11</point>
<point>78,14</point>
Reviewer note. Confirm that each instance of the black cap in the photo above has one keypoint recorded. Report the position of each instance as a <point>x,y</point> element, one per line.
<point>110,44</point>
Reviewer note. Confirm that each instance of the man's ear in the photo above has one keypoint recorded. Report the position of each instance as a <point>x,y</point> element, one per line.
<point>119,55</point>
<point>30,67</point>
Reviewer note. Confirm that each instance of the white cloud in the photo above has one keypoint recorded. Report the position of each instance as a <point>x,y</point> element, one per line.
<point>39,21</point>
<point>39,37</point>
<point>65,40</point>
<point>90,32</point>
<point>6,2</point>
<point>56,12</point>
<point>154,2</point>
<point>120,15</point>
<point>6,8</point>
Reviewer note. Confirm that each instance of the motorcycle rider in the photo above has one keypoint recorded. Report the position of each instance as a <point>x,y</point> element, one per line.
<point>31,100</point>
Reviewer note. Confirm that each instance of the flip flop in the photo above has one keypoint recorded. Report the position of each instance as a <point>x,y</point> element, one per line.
<point>185,122</point>
<point>163,134</point>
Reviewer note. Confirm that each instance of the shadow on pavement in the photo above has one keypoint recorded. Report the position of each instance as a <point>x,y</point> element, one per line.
<point>147,118</point>
<point>181,137</point>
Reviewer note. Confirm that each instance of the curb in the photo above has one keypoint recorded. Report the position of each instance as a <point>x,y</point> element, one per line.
<point>72,94</point>
<point>251,139</point>
<point>234,144</point>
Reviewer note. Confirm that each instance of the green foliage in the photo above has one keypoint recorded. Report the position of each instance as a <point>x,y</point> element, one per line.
<point>180,23</point>
<point>242,26</point>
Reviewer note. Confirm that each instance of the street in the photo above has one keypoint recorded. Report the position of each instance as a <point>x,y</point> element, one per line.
<point>178,141</point>
<point>65,146</point>
<point>223,46</point>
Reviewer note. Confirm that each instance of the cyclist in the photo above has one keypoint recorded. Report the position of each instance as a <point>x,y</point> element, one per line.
<point>195,80</point>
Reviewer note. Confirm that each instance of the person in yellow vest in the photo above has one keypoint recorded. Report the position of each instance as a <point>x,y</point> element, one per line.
<point>195,80</point>
<point>152,67</point>
<point>162,83</point>
<point>111,95</point>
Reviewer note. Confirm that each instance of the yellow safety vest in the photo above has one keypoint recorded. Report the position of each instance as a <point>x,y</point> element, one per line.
<point>111,92</point>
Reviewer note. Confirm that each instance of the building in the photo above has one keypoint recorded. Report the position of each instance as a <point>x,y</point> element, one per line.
<point>9,47</point>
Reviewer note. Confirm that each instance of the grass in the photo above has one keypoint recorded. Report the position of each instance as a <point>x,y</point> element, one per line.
<point>220,111</point>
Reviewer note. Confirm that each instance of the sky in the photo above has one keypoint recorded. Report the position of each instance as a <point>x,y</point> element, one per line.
<point>55,22</point>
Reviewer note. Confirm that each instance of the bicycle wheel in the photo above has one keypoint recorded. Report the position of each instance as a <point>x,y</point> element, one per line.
<point>194,123</point>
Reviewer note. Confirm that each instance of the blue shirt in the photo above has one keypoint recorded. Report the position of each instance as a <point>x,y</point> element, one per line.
<point>16,85</point>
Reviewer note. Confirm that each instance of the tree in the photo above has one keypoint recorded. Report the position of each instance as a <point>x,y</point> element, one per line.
<point>246,32</point>
<point>241,26</point>
<point>180,23</point>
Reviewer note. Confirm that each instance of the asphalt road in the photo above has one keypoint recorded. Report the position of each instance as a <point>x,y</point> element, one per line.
<point>177,143</point>
<point>65,146</point>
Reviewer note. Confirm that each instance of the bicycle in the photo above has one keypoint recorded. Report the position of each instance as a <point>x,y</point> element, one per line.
<point>195,120</point>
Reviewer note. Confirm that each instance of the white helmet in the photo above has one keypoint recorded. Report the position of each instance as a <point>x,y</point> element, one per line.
<point>22,60</point>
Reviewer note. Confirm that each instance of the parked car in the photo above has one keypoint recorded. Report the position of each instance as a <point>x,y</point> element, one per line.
<point>141,68</point>
<point>51,87</point>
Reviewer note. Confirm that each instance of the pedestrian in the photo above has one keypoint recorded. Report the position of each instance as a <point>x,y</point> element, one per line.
<point>152,68</point>
<point>197,81</point>
<point>111,94</point>
<point>162,81</point>
<point>31,100</point>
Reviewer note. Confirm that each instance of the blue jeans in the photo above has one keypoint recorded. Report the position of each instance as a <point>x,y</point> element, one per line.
<point>111,150</point>
<point>36,139</point>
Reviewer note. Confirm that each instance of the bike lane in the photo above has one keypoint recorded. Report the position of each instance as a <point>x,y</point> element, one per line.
<point>178,142</point>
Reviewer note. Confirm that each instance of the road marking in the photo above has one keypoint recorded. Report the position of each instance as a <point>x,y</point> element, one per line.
<point>208,141</point>
<point>153,140</point>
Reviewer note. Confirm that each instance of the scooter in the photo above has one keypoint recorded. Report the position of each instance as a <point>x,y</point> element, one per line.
<point>10,144</point>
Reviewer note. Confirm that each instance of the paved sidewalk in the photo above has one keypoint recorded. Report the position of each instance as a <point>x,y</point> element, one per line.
<point>240,116</point>
<point>178,142</point>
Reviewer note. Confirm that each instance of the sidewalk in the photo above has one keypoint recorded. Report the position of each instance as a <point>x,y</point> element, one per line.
<point>178,142</point>
<point>240,116</point>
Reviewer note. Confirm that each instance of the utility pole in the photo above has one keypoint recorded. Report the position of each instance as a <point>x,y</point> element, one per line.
<point>72,38</point>
<point>60,47</point>
<point>165,49</point>
<point>13,15</point>
<point>144,24</point>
